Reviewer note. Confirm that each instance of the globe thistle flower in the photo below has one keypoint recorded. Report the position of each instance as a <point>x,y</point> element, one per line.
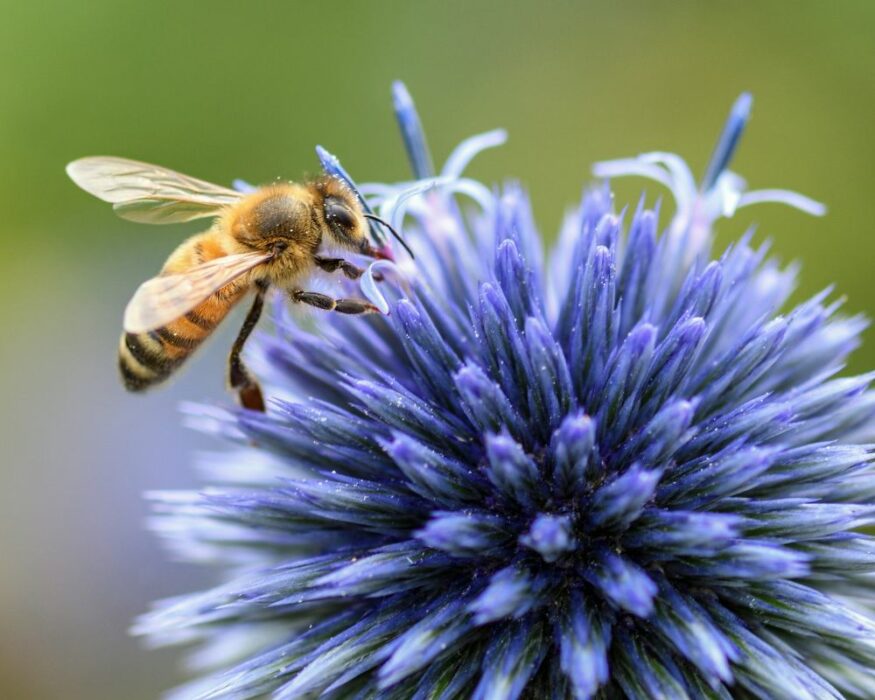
<point>620,472</point>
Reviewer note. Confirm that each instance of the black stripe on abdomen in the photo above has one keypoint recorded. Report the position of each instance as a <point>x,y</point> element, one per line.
<point>130,378</point>
<point>168,337</point>
<point>150,358</point>
<point>142,361</point>
<point>200,321</point>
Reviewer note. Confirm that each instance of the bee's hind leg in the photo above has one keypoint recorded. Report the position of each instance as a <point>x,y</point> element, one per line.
<point>343,306</point>
<point>239,377</point>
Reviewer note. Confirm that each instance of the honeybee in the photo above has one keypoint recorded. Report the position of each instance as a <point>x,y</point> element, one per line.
<point>271,237</point>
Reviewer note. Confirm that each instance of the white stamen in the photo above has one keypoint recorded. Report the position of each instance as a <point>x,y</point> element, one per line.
<point>608,169</point>
<point>788,197</point>
<point>469,148</point>
<point>369,284</point>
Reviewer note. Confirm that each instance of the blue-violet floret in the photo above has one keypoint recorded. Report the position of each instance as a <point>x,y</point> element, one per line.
<point>621,470</point>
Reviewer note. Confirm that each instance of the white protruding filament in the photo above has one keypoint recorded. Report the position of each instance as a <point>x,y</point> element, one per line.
<point>425,199</point>
<point>370,287</point>
<point>697,210</point>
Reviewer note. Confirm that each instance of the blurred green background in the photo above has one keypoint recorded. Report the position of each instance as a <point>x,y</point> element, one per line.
<point>221,90</point>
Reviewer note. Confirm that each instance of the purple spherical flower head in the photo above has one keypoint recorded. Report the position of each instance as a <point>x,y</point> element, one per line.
<point>616,473</point>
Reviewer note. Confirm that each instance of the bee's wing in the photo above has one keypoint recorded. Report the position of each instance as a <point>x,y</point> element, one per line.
<point>163,299</point>
<point>149,193</point>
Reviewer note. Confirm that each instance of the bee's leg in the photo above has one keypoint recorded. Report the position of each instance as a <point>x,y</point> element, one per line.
<point>239,377</point>
<point>334,264</point>
<point>343,306</point>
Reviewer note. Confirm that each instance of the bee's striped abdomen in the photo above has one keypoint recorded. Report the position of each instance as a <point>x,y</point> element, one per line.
<point>146,359</point>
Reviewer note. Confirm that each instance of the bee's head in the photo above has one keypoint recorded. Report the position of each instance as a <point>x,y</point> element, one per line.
<point>345,220</point>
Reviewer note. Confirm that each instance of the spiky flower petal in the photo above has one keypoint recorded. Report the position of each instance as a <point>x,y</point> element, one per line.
<point>619,473</point>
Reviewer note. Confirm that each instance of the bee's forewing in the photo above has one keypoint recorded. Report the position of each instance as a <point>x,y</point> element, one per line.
<point>149,193</point>
<point>163,299</point>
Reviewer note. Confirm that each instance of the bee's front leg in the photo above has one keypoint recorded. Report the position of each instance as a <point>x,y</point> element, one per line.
<point>343,306</point>
<point>334,264</point>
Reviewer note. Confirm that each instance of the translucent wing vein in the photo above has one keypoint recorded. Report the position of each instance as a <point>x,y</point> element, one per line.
<point>149,193</point>
<point>163,299</point>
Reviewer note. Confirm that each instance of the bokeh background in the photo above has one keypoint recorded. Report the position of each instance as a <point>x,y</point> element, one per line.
<point>229,89</point>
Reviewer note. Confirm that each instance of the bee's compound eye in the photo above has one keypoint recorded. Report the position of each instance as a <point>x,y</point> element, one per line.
<point>339,215</point>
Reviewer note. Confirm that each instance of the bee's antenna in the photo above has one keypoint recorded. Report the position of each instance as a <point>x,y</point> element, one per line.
<point>373,217</point>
